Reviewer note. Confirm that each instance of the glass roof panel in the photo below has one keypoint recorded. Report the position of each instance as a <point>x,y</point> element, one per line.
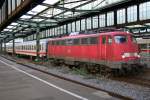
<point>72,5</point>
<point>26,17</point>
<point>39,8</point>
<point>47,13</point>
<point>6,29</point>
<point>9,26</point>
<point>14,27</point>
<point>99,4</point>
<point>57,11</point>
<point>14,24</point>
<point>37,19</point>
<point>51,20</point>
<point>50,12</point>
<point>51,2</point>
<point>70,14</point>
<point>32,12</point>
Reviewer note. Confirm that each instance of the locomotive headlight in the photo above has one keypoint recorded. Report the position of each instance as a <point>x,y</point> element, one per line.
<point>130,55</point>
<point>137,55</point>
<point>123,56</point>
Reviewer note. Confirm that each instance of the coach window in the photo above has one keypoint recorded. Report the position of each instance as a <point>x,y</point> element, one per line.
<point>28,47</point>
<point>93,40</point>
<point>84,41</point>
<point>40,47</point>
<point>109,39</point>
<point>103,40</point>
<point>69,42</point>
<point>76,42</point>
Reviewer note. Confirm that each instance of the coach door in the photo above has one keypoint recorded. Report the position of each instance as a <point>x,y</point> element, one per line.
<point>103,47</point>
<point>109,50</point>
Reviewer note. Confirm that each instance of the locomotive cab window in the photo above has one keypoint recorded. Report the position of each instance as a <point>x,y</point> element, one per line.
<point>104,40</point>
<point>120,39</point>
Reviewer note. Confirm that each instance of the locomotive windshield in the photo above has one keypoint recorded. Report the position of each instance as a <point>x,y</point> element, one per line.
<point>120,39</point>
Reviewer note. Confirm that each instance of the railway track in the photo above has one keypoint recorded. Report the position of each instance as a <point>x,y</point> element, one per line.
<point>142,79</point>
<point>74,81</point>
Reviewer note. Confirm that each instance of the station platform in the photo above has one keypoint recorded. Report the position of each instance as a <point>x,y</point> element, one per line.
<point>21,83</point>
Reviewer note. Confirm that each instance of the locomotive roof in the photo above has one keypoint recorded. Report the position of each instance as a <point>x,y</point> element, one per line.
<point>92,35</point>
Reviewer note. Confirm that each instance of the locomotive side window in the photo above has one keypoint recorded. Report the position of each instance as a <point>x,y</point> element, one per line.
<point>109,40</point>
<point>120,39</point>
<point>103,40</point>
<point>57,42</point>
<point>93,40</point>
<point>76,41</point>
<point>84,41</point>
<point>69,42</point>
<point>53,42</point>
<point>62,42</point>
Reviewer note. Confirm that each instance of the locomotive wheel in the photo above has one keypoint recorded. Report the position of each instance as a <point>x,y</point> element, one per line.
<point>88,68</point>
<point>122,72</point>
<point>71,66</point>
<point>104,71</point>
<point>115,72</point>
<point>97,68</point>
<point>135,70</point>
<point>118,72</point>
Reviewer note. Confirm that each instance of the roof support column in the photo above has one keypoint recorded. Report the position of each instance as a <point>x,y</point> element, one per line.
<point>1,48</point>
<point>4,43</point>
<point>37,42</point>
<point>13,45</point>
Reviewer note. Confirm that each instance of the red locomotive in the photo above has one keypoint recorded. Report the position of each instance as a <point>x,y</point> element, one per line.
<point>112,50</point>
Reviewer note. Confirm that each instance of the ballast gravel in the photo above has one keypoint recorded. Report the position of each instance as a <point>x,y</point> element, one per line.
<point>125,89</point>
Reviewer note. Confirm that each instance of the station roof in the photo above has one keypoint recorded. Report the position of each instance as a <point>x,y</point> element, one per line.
<point>51,13</point>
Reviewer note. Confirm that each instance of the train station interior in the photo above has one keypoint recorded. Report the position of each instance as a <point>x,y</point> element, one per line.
<point>91,37</point>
